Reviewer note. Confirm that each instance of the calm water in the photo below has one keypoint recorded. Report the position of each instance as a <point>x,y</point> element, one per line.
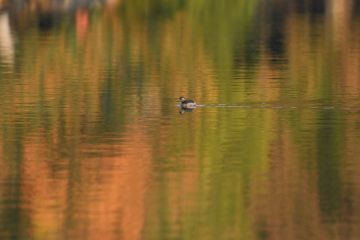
<point>92,145</point>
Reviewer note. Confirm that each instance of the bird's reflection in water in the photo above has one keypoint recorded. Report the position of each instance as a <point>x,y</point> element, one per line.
<point>184,110</point>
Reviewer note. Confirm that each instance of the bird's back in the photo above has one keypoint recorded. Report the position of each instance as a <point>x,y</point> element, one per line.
<point>187,101</point>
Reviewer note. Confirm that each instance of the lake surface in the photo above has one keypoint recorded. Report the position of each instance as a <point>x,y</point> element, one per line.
<point>92,145</point>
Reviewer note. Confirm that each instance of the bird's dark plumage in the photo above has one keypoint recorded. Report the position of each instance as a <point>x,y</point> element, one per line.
<point>187,103</point>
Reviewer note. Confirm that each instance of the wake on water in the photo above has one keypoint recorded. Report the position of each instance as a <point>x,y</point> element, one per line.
<point>276,106</point>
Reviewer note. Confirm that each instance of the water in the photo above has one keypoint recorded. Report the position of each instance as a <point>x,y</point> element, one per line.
<point>93,145</point>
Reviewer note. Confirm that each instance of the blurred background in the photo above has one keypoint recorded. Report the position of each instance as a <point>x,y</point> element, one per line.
<point>92,145</point>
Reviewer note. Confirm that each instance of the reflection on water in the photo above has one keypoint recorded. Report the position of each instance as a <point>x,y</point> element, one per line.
<point>93,145</point>
<point>6,41</point>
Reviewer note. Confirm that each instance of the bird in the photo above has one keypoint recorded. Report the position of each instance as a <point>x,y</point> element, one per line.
<point>187,103</point>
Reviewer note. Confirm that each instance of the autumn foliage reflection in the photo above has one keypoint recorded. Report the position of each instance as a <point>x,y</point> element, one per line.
<point>91,147</point>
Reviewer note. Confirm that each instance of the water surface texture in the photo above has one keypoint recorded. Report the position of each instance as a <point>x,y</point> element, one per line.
<point>92,145</point>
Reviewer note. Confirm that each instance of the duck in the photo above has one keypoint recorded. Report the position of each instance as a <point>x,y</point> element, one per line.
<point>187,103</point>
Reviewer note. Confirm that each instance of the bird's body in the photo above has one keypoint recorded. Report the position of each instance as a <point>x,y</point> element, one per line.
<point>187,103</point>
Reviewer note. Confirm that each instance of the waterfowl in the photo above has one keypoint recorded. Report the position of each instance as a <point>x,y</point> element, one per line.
<point>187,103</point>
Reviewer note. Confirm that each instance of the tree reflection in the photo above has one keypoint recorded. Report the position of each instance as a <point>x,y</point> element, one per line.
<point>91,147</point>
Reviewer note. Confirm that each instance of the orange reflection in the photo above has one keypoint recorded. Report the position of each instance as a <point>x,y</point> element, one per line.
<point>82,21</point>
<point>81,199</point>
